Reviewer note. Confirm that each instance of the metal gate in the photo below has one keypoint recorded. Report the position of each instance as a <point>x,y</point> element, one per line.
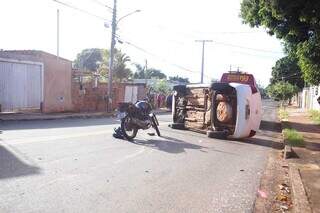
<point>131,94</point>
<point>20,85</point>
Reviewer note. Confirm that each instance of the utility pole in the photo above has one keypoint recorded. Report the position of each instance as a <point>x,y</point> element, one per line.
<point>145,71</point>
<point>202,63</point>
<point>113,43</point>
<point>58,32</point>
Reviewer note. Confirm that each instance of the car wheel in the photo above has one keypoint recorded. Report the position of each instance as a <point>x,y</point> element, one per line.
<point>178,126</point>
<point>217,134</point>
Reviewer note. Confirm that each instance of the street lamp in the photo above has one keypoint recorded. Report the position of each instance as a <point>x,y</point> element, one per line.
<point>107,24</point>
<point>133,12</point>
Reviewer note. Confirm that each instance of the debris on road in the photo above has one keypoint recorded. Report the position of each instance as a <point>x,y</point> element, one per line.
<point>262,194</point>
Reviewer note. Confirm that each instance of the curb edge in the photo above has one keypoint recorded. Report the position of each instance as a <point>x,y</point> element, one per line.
<point>299,196</point>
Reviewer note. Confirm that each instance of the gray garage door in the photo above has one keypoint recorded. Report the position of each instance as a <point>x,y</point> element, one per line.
<point>20,86</point>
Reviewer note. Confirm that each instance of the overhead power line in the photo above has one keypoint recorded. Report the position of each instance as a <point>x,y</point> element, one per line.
<point>248,48</point>
<point>156,56</point>
<point>162,59</point>
<point>255,55</point>
<point>162,28</point>
<point>103,4</point>
<point>80,10</point>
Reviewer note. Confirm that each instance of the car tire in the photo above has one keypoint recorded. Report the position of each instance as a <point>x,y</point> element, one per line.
<point>177,126</point>
<point>217,134</point>
<point>182,89</point>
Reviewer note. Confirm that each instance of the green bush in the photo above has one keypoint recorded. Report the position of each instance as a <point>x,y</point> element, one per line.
<point>293,137</point>
<point>315,116</point>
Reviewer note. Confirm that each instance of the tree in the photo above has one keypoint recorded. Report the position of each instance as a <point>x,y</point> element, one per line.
<point>162,87</point>
<point>282,91</point>
<point>103,69</point>
<point>89,59</point>
<point>141,73</point>
<point>120,71</point>
<point>262,90</point>
<point>309,60</point>
<point>287,69</point>
<point>296,22</point>
<point>155,73</point>
<point>120,66</point>
<point>179,79</point>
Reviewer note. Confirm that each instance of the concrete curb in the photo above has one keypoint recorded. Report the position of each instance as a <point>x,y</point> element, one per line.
<point>57,117</point>
<point>288,152</point>
<point>64,116</point>
<point>299,196</point>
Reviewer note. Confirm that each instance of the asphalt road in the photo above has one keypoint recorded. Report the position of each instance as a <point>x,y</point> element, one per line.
<point>77,166</point>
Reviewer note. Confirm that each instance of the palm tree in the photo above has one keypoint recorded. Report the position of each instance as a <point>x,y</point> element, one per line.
<point>120,68</point>
<point>140,72</point>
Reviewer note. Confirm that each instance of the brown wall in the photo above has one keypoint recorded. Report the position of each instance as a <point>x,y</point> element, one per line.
<point>93,99</point>
<point>57,78</point>
<point>57,84</point>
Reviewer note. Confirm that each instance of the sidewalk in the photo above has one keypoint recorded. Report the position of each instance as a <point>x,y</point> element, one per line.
<point>307,159</point>
<point>51,116</point>
<point>56,116</point>
<point>299,120</point>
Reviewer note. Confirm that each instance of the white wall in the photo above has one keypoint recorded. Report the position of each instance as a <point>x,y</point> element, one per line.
<point>310,96</point>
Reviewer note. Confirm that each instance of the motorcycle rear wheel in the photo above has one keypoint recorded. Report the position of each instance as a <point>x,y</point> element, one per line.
<point>129,132</point>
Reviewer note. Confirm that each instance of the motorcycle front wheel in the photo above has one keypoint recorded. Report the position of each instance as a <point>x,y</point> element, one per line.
<point>155,124</point>
<point>129,131</point>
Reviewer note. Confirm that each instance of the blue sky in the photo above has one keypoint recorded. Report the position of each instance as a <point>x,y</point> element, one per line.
<point>164,33</point>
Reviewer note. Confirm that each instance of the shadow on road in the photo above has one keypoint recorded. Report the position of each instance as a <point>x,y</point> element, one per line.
<point>11,166</point>
<point>270,126</point>
<point>265,142</point>
<point>170,145</point>
<point>312,128</point>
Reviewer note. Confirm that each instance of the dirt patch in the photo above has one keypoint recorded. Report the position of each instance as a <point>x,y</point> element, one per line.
<point>274,194</point>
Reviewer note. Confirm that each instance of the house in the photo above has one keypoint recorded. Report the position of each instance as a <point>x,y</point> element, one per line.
<point>34,80</point>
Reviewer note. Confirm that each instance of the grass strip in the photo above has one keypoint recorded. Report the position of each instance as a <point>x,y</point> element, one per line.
<point>293,137</point>
<point>315,116</point>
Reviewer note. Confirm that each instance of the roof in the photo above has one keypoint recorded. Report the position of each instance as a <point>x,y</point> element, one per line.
<point>30,52</point>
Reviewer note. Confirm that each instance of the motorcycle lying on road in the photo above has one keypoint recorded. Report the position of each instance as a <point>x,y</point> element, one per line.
<point>136,116</point>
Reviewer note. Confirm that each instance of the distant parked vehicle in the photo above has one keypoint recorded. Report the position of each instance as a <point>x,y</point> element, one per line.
<point>229,108</point>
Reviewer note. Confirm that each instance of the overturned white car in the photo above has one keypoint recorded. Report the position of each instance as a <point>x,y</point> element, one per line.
<point>230,108</point>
